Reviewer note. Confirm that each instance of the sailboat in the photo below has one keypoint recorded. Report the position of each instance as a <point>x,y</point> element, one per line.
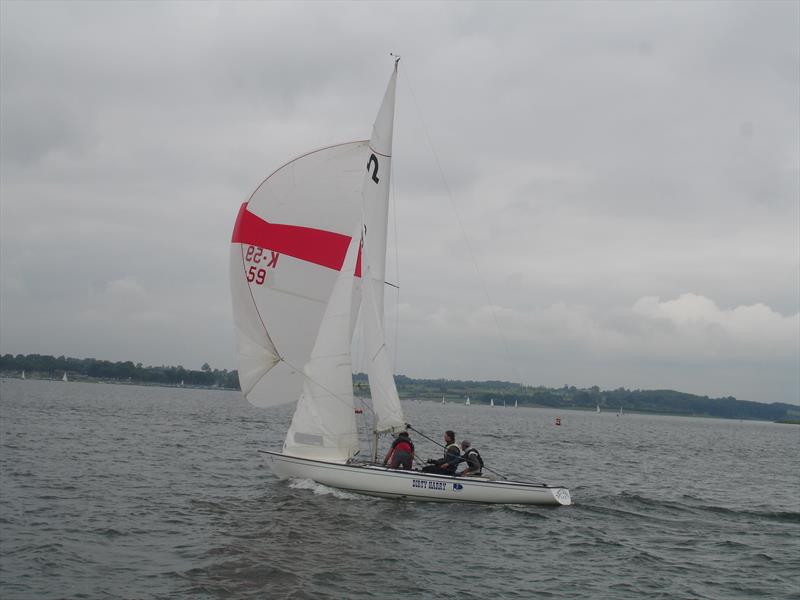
<point>307,265</point>
<point>64,378</point>
<point>598,409</point>
<point>23,374</point>
<point>515,404</point>
<point>491,402</point>
<point>467,402</point>
<point>442,399</point>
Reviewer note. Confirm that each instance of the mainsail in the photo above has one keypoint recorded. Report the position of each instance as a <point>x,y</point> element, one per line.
<point>385,400</point>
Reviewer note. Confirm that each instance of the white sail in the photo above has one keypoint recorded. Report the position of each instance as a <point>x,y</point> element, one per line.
<point>467,402</point>
<point>299,248</point>
<point>385,400</point>
<point>65,378</point>
<point>23,374</point>
<point>288,245</point>
<point>376,191</point>
<point>515,404</point>
<point>491,402</point>
<point>324,424</point>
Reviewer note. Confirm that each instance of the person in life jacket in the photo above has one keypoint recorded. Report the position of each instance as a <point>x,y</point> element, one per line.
<point>473,459</point>
<point>401,454</point>
<point>448,463</point>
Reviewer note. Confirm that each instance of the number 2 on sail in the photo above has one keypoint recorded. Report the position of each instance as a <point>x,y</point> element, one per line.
<point>373,159</point>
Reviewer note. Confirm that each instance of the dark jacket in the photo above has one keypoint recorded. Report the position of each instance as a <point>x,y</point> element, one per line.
<point>452,456</point>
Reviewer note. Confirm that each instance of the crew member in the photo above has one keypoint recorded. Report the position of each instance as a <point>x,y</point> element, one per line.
<point>473,459</point>
<point>401,454</point>
<point>448,463</point>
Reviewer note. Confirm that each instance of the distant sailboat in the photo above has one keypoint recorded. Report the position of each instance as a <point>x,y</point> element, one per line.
<point>491,402</point>
<point>598,409</point>
<point>442,399</point>
<point>467,402</point>
<point>504,403</point>
<point>515,404</point>
<point>64,378</point>
<point>23,374</point>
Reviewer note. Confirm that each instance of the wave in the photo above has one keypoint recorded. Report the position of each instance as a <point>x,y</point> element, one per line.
<point>694,504</point>
<point>323,490</point>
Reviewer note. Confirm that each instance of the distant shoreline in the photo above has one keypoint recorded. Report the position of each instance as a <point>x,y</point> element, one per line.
<point>621,400</point>
<point>5,376</point>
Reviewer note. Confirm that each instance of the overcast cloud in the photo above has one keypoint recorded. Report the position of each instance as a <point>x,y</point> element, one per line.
<point>627,175</point>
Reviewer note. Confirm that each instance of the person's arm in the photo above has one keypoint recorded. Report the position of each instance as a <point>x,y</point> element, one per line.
<point>452,459</point>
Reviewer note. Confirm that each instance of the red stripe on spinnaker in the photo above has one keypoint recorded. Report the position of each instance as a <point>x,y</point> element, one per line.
<point>324,248</point>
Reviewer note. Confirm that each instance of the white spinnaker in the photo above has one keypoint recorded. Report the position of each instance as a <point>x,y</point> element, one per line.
<point>299,222</point>
<point>324,424</point>
<point>376,191</point>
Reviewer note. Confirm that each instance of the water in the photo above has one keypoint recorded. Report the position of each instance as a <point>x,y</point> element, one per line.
<point>140,492</point>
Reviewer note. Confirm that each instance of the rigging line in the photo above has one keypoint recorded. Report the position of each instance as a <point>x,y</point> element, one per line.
<point>408,425</point>
<point>451,197</point>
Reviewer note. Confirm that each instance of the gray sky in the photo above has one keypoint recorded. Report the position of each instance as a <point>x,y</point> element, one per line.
<point>627,175</point>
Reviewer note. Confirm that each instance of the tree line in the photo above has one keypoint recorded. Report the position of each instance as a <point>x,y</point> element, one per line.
<point>480,392</point>
<point>51,367</point>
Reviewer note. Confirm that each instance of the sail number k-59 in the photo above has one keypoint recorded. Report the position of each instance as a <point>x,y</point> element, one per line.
<point>258,274</point>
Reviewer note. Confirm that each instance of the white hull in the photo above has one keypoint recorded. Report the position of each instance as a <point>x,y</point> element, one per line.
<point>413,485</point>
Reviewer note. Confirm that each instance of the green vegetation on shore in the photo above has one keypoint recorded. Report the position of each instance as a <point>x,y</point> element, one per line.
<point>39,366</point>
<point>480,392</point>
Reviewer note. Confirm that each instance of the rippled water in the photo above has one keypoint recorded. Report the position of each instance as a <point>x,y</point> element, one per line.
<point>136,492</point>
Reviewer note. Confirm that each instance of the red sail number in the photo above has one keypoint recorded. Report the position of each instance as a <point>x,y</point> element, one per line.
<point>257,255</point>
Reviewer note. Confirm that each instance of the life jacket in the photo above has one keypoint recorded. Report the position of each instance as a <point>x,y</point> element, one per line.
<point>447,450</point>
<point>477,454</point>
<point>403,444</point>
<point>449,455</point>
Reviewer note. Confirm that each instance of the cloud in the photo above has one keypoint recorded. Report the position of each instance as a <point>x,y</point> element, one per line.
<point>688,343</point>
<point>593,155</point>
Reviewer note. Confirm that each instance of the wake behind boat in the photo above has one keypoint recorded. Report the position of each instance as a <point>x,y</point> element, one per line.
<point>307,266</point>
